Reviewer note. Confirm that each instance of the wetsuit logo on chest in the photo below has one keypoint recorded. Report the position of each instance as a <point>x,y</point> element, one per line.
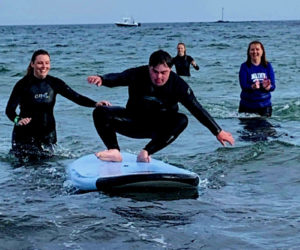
<point>42,96</point>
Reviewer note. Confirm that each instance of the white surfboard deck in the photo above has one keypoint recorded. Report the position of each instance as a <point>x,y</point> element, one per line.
<point>90,173</point>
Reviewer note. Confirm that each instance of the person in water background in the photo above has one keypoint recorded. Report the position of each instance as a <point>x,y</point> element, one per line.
<point>151,110</point>
<point>34,132</point>
<point>257,81</point>
<point>182,61</point>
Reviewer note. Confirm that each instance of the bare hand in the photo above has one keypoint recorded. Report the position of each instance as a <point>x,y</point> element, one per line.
<point>266,84</point>
<point>103,103</point>
<point>224,137</point>
<point>24,121</point>
<point>96,80</point>
<point>255,85</point>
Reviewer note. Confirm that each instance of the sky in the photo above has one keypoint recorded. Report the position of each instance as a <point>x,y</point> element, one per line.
<point>24,12</point>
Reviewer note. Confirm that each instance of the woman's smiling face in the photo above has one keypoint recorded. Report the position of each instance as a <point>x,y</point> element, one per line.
<point>41,66</point>
<point>255,52</point>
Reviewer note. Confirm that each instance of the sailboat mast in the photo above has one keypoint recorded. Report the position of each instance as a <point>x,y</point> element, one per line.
<point>222,14</point>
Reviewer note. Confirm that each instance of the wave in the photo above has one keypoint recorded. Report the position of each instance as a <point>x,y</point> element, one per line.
<point>3,69</point>
<point>61,45</point>
<point>288,111</point>
<point>19,74</point>
<point>219,45</point>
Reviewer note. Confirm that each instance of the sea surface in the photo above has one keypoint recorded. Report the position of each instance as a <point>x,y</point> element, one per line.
<point>249,193</point>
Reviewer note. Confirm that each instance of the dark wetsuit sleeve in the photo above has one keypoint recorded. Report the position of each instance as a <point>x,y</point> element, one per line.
<point>203,116</point>
<point>12,103</point>
<point>190,102</point>
<point>190,59</point>
<point>117,79</point>
<point>67,92</point>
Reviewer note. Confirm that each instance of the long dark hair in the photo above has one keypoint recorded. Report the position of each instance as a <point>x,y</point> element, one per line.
<point>264,61</point>
<point>34,55</point>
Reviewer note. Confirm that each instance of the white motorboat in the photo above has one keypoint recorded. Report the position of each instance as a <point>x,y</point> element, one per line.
<point>128,22</point>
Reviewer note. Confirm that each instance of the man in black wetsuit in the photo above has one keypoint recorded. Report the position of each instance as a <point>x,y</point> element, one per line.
<point>151,110</point>
<point>34,133</point>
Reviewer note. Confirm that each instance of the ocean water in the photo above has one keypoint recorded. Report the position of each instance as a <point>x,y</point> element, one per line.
<point>248,196</point>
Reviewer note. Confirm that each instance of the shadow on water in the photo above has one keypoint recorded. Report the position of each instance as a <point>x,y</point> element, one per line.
<point>151,194</point>
<point>257,129</point>
<point>156,194</point>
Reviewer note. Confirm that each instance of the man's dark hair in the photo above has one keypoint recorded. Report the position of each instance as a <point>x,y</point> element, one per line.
<point>160,57</point>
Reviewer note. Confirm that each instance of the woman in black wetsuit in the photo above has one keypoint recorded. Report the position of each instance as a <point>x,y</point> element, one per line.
<point>182,61</point>
<point>34,133</point>
<point>151,110</point>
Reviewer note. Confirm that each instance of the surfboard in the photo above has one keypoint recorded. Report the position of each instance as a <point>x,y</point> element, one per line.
<point>89,173</point>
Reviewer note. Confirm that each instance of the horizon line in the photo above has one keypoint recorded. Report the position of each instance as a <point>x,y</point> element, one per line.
<point>217,21</point>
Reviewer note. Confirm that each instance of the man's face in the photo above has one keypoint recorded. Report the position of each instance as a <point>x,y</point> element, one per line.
<point>159,74</point>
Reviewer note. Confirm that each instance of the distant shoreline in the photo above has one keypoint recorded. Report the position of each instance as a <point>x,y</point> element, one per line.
<point>147,23</point>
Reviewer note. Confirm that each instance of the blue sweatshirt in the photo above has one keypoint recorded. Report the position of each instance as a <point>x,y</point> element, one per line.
<point>255,98</point>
